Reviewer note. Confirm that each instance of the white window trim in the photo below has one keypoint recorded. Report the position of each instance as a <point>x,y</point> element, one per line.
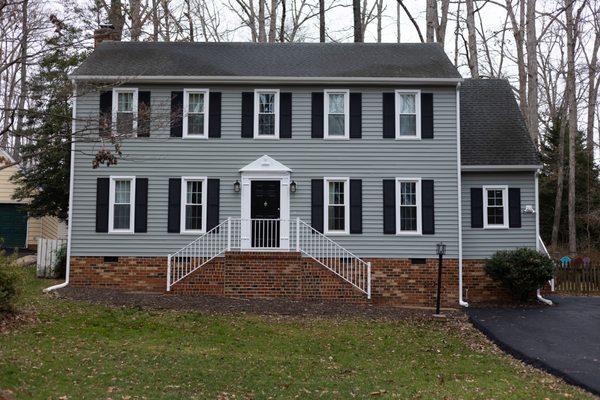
<point>111,205</point>
<point>186,103</point>
<point>504,189</point>
<point>115,107</point>
<point>419,230</point>
<point>346,94</point>
<point>326,229</point>
<point>257,93</point>
<point>417,94</point>
<point>184,180</point>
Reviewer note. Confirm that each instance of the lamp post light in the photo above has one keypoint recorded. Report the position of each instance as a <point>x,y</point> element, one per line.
<point>440,249</point>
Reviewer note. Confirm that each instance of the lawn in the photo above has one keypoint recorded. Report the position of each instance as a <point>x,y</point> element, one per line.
<point>76,350</point>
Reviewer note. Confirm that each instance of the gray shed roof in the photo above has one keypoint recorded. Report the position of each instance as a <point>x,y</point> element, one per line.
<point>348,60</point>
<point>492,128</point>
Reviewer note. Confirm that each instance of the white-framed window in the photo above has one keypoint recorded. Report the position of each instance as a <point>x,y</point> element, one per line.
<point>266,114</point>
<point>337,205</point>
<point>125,111</point>
<point>193,204</point>
<point>408,114</point>
<point>408,206</point>
<point>121,211</point>
<point>195,113</point>
<point>495,207</point>
<point>336,124</point>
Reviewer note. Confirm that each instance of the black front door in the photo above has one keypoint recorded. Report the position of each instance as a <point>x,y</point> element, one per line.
<point>264,211</point>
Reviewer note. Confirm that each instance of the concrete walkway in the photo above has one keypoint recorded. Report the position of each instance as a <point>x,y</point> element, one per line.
<point>563,339</point>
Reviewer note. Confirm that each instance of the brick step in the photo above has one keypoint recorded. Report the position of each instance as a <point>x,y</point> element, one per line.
<point>268,275</point>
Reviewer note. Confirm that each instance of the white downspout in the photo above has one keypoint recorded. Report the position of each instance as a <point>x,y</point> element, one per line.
<point>71,178</point>
<point>461,302</point>
<point>537,231</point>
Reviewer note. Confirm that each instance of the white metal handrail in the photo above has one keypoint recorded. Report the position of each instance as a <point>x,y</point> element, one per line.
<point>334,257</point>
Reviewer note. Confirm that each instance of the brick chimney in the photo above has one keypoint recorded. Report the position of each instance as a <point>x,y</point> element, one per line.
<point>106,32</point>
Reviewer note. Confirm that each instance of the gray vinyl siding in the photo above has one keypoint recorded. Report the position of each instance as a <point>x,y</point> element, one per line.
<point>371,159</point>
<point>482,243</point>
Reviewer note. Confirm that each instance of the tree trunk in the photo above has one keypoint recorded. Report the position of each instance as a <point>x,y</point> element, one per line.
<point>23,76</point>
<point>155,21</point>
<point>572,106</point>
<point>190,19</point>
<point>322,21</point>
<point>136,20</point>
<point>532,74</point>
<point>273,22</point>
<point>379,19</point>
<point>440,31</point>
<point>591,109</point>
<point>430,20</point>
<point>560,178</point>
<point>518,29</point>
<point>472,34</point>
<point>115,15</point>
<point>358,35</point>
<point>262,32</point>
<point>282,27</point>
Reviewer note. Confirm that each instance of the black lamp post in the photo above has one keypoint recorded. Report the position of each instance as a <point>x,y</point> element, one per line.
<point>440,249</point>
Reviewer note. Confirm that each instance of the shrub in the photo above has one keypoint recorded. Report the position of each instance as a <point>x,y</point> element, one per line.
<point>9,283</point>
<point>60,264</point>
<point>521,271</point>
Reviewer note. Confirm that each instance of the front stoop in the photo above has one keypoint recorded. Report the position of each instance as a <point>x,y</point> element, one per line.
<point>268,275</point>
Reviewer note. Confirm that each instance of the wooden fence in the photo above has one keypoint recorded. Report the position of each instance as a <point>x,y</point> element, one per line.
<point>573,276</point>
<point>47,256</point>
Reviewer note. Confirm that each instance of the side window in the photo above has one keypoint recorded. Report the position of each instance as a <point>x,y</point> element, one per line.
<point>266,114</point>
<point>193,204</point>
<point>408,206</point>
<point>408,118</point>
<point>121,204</point>
<point>336,114</point>
<point>195,112</point>
<point>495,209</point>
<point>337,210</point>
<point>125,111</point>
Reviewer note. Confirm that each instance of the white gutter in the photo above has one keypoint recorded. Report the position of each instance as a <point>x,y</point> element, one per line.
<point>487,168</point>
<point>538,293</point>
<point>71,178</point>
<point>461,302</point>
<point>266,79</point>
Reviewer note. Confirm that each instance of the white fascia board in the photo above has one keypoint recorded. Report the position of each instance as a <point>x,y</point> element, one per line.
<point>502,168</point>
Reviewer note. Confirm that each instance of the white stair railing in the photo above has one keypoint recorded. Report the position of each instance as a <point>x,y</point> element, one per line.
<point>334,257</point>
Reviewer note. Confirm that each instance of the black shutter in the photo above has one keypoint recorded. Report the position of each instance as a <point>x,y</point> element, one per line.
<point>141,205</point>
<point>213,196</point>
<point>426,115</point>
<point>317,115</point>
<point>427,211</point>
<point>389,206</point>
<point>143,129</point>
<point>316,211</point>
<point>214,115</point>
<point>355,206</point>
<point>105,115</point>
<point>248,114</point>
<point>355,115</point>
<point>285,115</point>
<point>476,208</point>
<point>176,114</point>
<point>174,213</point>
<point>514,207</point>
<point>389,115</point>
<point>102,189</point>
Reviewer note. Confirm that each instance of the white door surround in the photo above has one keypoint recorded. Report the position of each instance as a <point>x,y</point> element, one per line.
<point>265,168</point>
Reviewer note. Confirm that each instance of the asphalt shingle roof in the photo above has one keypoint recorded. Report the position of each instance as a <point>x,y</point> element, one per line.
<point>492,128</point>
<point>403,60</point>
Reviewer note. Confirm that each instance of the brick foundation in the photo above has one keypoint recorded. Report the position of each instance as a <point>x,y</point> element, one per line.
<point>270,275</point>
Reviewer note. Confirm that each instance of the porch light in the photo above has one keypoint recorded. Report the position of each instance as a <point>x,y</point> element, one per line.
<point>293,187</point>
<point>236,186</point>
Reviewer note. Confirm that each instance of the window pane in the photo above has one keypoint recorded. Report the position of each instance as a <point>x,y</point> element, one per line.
<point>266,103</point>
<point>495,216</point>
<point>408,125</point>
<point>336,124</point>
<point>407,104</point>
<point>408,193</point>
<point>193,217</point>
<point>121,216</point>
<point>194,192</point>
<point>195,124</point>
<point>408,218</point>
<point>196,103</point>
<point>494,197</point>
<point>125,101</point>
<point>336,216</point>
<point>122,190</point>
<point>266,124</point>
<point>336,103</point>
<point>336,193</point>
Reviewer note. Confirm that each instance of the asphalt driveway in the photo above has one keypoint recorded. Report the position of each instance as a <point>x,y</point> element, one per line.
<point>563,339</point>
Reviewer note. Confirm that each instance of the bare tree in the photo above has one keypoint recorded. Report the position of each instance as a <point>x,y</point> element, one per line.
<point>358,33</point>
<point>472,44</point>
<point>532,73</point>
<point>322,21</point>
<point>412,20</point>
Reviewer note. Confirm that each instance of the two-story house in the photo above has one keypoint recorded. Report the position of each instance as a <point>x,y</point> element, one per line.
<point>304,170</point>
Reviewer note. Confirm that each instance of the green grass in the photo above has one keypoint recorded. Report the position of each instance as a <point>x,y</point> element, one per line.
<point>85,351</point>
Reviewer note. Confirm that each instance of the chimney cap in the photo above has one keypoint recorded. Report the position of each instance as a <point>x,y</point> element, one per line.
<point>107,26</point>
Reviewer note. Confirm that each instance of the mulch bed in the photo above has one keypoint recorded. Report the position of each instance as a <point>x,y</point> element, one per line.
<point>225,305</point>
